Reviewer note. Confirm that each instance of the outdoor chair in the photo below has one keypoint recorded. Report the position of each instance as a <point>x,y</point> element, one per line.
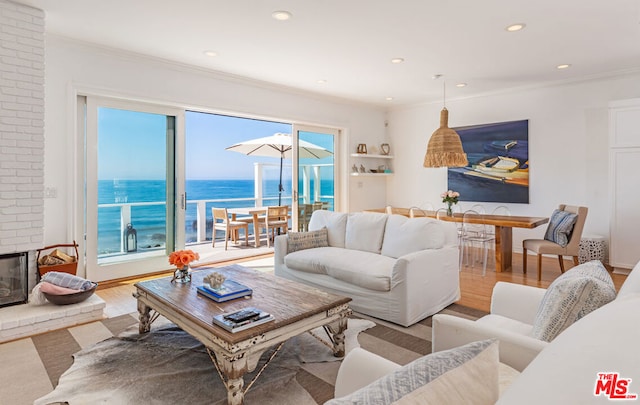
<point>304,216</point>
<point>222,222</point>
<point>277,217</point>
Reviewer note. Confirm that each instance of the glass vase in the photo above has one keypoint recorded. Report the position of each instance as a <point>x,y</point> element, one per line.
<point>182,275</point>
<point>449,210</point>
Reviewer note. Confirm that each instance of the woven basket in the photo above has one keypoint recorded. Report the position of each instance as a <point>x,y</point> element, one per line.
<point>70,268</point>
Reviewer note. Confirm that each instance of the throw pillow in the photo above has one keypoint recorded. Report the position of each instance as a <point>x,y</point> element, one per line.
<point>560,227</point>
<point>570,297</point>
<point>307,240</point>
<point>473,379</point>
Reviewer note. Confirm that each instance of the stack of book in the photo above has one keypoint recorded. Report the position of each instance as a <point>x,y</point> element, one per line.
<point>243,319</point>
<point>229,290</point>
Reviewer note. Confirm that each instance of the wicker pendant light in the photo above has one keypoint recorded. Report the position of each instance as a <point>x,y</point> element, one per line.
<point>445,148</point>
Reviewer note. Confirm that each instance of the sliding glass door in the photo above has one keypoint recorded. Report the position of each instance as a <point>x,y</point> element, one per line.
<point>315,181</point>
<point>134,199</point>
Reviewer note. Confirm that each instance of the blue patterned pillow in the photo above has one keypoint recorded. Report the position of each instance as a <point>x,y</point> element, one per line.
<point>560,227</point>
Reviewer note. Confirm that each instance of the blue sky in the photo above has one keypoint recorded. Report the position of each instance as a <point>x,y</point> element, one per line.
<point>207,137</point>
<point>137,140</point>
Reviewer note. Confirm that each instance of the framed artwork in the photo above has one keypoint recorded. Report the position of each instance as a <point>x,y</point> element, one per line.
<point>498,169</point>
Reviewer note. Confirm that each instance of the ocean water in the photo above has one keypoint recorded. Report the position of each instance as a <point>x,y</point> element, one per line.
<point>149,221</point>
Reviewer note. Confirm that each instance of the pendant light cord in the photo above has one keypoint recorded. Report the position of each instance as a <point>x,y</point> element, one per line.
<point>444,94</point>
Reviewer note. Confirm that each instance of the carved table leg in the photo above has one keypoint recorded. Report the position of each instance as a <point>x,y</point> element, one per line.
<point>233,368</point>
<point>145,319</point>
<point>336,330</point>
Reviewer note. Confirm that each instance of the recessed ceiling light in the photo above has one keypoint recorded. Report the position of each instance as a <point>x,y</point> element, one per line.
<point>389,98</point>
<point>563,66</point>
<point>210,54</point>
<point>461,85</point>
<point>397,60</point>
<point>515,27</point>
<point>321,81</point>
<point>281,15</point>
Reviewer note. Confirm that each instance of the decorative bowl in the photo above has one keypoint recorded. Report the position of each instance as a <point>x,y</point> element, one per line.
<point>67,299</point>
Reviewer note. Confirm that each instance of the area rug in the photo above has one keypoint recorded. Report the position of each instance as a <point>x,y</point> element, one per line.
<point>168,366</point>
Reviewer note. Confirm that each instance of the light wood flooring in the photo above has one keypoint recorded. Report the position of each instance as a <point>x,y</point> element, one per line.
<point>476,289</point>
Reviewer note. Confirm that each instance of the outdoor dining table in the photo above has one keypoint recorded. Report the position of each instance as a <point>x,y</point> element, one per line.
<point>250,212</point>
<point>504,225</point>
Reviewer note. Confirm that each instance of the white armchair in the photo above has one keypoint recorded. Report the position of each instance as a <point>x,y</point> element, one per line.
<point>513,310</point>
<point>360,368</point>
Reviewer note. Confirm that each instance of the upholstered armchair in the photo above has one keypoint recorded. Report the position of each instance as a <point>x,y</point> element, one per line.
<point>513,311</point>
<point>525,318</point>
<point>562,237</point>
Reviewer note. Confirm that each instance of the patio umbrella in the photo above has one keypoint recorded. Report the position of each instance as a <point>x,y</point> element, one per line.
<point>279,145</point>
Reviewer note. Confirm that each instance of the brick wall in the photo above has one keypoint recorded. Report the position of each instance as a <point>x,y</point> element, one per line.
<point>21,127</point>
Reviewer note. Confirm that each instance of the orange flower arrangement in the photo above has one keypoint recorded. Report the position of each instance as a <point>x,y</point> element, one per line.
<point>181,258</point>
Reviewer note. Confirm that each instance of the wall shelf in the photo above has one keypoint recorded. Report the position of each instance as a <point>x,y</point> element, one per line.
<point>371,174</point>
<point>366,155</point>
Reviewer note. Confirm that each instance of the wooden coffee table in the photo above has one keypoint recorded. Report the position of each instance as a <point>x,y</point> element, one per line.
<point>297,308</point>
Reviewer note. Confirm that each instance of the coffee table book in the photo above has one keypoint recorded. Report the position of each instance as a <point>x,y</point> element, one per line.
<point>228,291</point>
<point>223,320</point>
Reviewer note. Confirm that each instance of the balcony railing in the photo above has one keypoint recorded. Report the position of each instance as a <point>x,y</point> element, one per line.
<point>198,229</point>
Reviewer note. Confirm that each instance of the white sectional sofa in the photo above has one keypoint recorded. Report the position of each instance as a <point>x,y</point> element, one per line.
<point>565,371</point>
<point>394,268</point>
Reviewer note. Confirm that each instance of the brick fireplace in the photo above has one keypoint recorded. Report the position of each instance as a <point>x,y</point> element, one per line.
<point>22,58</point>
<point>22,51</point>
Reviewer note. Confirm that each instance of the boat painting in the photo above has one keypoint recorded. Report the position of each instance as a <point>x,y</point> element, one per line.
<point>498,169</point>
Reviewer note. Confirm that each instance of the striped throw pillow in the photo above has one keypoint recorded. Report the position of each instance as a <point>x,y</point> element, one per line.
<point>560,227</point>
<point>307,240</point>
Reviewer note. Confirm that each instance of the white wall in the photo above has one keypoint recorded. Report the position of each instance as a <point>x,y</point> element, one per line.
<point>568,147</point>
<point>71,66</point>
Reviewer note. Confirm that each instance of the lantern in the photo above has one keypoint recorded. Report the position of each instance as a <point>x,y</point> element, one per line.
<point>130,239</point>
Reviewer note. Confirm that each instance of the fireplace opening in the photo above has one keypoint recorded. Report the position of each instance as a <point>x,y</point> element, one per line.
<point>14,279</point>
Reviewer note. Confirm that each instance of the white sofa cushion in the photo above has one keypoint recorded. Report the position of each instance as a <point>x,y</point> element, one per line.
<point>311,260</point>
<point>404,235</point>
<point>479,369</point>
<point>570,297</point>
<point>336,223</point>
<point>364,269</point>
<point>365,231</point>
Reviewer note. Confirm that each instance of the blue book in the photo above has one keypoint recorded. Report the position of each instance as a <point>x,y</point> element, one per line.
<point>229,290</point>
